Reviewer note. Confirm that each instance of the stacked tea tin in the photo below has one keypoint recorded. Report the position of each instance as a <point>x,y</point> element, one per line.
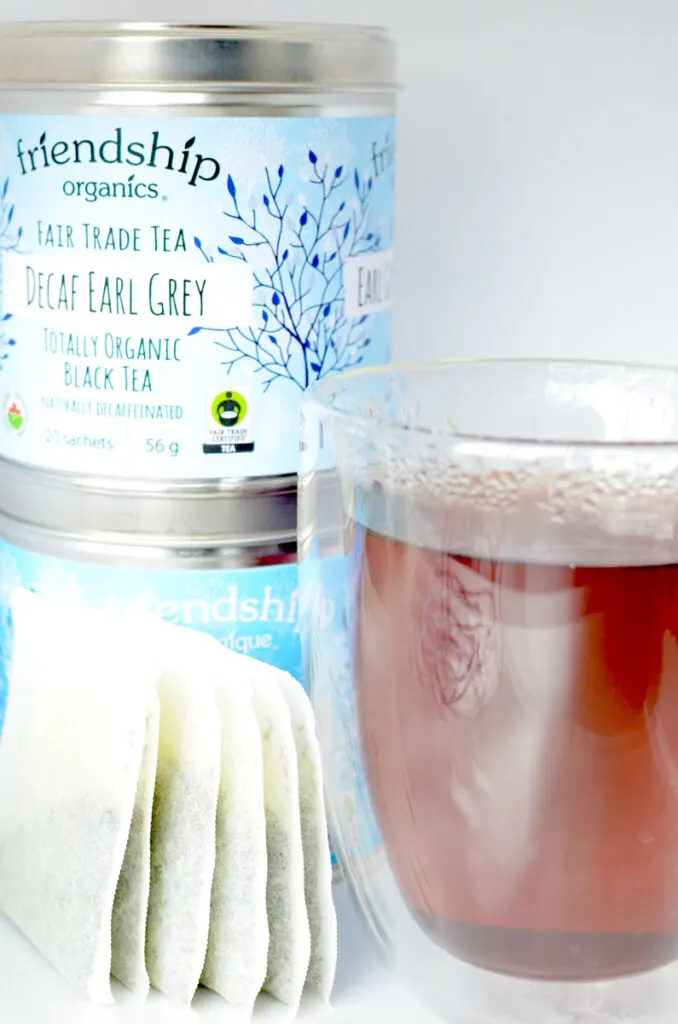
<point>196,224</point>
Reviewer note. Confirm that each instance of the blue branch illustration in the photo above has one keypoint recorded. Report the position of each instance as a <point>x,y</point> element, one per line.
<point>10,239</point>
<point>302,332</point>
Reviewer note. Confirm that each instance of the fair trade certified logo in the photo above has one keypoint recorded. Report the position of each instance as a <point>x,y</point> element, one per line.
<point>229,430</point>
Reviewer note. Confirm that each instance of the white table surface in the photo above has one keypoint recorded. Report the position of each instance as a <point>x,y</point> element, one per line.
<point>31,992</point>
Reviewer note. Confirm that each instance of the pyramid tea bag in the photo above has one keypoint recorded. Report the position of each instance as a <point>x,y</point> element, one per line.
<point>290,938</point>
<point>70,761</point>
<point>317,856</point>
<point>183,840</point>
<point>237,951</point>
<point>130,909</point>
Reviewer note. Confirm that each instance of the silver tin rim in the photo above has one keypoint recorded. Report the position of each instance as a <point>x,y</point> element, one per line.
<point>264,57</point>
<point>143,552</point>
<point>204,513</point>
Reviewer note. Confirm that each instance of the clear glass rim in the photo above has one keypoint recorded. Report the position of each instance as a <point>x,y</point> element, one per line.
<point>319,395</point>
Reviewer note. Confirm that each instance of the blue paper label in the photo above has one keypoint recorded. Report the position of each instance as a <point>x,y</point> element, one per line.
<point>252,611</point>
<point>170,286</point>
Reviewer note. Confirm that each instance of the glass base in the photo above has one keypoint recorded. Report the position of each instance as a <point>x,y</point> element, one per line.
<point>551,956</point>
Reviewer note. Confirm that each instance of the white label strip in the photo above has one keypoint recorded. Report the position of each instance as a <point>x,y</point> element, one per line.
<point>369,283</point>
<point>183,291</point>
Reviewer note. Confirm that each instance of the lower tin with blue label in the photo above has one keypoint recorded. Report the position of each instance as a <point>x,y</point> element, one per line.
<point>219,559</point>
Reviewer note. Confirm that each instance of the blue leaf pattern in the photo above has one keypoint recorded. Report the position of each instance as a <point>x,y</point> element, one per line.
<point>9,242</point>
<point>297,255</point>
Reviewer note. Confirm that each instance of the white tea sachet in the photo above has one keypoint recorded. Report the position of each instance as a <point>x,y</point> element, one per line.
<point>237,952</point>
<point>183,838</point>
<point>130,909</point>
<point>70,761</point>
<point>161,812</point>
<point>322,914</point>
<point>289,950</point>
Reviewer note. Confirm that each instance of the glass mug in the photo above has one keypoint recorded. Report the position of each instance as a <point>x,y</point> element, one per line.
<point>489,560</point>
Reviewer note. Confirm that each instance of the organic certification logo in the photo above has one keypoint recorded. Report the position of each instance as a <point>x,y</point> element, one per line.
<point>229,409</point>
<point>15,414</point>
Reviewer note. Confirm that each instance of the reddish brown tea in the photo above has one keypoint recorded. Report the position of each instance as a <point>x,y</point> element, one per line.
<point>520,731</point>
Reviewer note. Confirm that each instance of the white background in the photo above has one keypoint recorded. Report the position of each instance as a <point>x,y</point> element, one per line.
<point>538,196</point>
<point>538,166</point>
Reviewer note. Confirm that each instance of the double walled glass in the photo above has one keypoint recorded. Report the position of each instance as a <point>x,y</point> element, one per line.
<point>489,559</point>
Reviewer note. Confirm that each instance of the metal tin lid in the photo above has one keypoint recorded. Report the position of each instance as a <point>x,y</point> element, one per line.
<point>208,512</point>
<point>236,58</point>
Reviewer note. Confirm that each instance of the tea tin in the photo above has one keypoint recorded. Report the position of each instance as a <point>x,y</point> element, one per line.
<point>196,223</point>
<point>222,562</point>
